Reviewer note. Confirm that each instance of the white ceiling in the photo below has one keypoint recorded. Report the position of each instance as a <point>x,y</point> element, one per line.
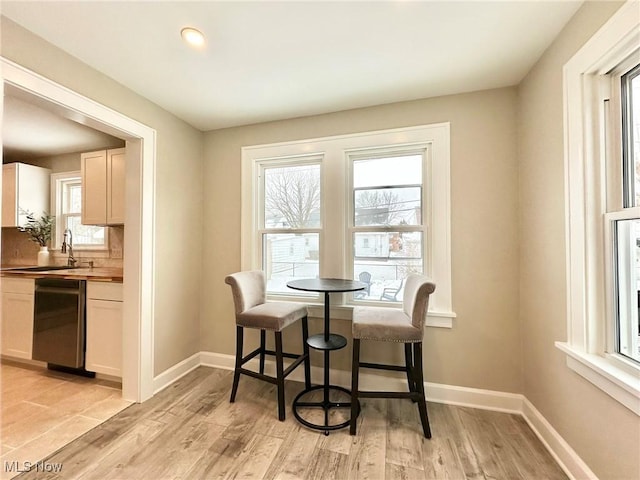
<point>29,131</point>
<point>273,60</point>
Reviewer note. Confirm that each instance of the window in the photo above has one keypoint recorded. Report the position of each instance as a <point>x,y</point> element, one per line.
<point>603,212</point>
<point>376,202</point>
<point>290,220</point>
<point>625,221</point>
<point>386,225</point>
<point>67,198</point>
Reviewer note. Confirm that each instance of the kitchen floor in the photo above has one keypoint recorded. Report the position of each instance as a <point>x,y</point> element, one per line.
<point>43,410</point>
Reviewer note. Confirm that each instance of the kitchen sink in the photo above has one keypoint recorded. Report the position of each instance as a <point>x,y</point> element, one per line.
<point>41,269</point>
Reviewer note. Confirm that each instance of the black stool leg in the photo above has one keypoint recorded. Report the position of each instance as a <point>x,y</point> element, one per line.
<point>280,376</point>
<point>236,373</point>
<point>355,367</point>
<point>305,352</point>
<point>409,365</point>
<point>422,403</point>
<point>263,346</point>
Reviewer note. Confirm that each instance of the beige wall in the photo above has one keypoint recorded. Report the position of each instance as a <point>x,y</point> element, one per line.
<point>483,348</point>
<point>605,434</point>
<point>178,189</point>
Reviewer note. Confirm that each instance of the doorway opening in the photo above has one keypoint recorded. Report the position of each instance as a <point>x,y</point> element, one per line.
<point>138,285</point>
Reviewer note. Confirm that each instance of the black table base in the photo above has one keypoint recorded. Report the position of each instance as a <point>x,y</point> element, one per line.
<point>325,404</point>
<point>325,342</point>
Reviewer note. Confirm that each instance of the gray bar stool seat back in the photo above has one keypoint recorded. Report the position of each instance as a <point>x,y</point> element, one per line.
<point>253,311</point>
<point>393,325</point>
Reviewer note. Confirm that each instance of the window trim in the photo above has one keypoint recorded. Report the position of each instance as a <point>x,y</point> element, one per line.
<point>587,232</point>
<point>334,152</point>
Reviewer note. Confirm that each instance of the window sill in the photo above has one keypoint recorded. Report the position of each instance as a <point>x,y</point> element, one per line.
<point>603,373</point>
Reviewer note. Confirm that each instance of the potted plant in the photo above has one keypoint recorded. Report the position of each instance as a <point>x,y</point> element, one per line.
<point>39,231</point>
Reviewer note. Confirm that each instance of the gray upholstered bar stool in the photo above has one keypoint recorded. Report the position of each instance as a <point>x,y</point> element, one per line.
<point>252,311</point>
<point>393,325</point>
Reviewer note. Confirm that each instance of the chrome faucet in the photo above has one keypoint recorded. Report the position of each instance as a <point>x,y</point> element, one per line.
<point>67,241</point>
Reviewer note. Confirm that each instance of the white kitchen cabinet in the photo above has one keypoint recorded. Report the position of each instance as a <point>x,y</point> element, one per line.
<point>104,328</point>
<point>103,180</point>
<point>17,317</point>
<point>24,188</point>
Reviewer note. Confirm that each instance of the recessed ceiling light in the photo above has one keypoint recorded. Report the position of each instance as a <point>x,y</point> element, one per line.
<point>193,37</point>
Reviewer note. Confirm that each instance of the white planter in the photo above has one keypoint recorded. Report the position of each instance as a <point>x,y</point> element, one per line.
<point>43,257</point>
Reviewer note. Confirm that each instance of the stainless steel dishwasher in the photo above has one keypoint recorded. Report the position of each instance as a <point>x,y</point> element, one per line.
<point>59,323</point>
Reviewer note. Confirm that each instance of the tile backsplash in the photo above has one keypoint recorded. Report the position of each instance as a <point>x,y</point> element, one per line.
<point>18,250</point>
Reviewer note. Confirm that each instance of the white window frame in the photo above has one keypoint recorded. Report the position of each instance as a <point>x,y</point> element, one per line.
<point>333,153</point>
<point>57,182</point>
<point>588,192</point>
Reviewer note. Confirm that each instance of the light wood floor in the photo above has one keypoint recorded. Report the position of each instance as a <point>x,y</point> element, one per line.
<point>43,410</point>
<point>191,431</point>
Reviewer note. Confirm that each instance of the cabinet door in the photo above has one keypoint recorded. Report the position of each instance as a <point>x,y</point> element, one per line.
<point>115,186</point>
<point>24,188</point>
<point>94,188</point>
<point>104,337</point>
<point>9,196</point>
<point>17,324</point>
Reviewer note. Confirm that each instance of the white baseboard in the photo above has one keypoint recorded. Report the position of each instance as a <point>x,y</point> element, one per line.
<point>566,457</point>
<point>179,370</point>
<point>225,362</point>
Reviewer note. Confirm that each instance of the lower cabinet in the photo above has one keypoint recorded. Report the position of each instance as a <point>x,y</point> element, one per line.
<point>17,317</point>
<point>104,328</point>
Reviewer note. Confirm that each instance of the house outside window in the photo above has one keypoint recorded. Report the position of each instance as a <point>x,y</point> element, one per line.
<point>66,191</point>
<point>603,212</point>
<point>340,206</point>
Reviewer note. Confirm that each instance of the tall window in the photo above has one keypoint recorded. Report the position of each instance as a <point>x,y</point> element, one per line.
<point>387,222</point>
<point>67,197</point>
<point>603,208</point>
<point>626,223</point>
<point>371,206</point>
<point>290,221</point>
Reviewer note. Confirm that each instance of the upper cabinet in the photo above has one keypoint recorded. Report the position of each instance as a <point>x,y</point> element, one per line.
<point>24,188</point>
<point>103,187</point>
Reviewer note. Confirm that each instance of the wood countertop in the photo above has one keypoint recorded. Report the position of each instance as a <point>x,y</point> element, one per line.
<point>100,274</point>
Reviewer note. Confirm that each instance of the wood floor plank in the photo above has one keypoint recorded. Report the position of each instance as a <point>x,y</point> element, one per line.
<point>254,460</point>
<point>404,434</point>
<point>327,464</point>
<point>368,449</point>
<point>126,452</point>
<point>459,436</point>
<point>401,472</point>
<point>441,460</point>
<point>181,434</point>
<point>538,460</point>
<point>218,460</point>
<point>191,431</point>
<point>484,441</point>
<point>294,456</point>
